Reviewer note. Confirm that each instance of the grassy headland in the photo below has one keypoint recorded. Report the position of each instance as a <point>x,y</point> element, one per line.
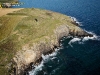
<point>26,26</point>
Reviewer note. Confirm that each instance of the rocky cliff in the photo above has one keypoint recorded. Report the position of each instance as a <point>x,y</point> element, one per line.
<point>33,32</point>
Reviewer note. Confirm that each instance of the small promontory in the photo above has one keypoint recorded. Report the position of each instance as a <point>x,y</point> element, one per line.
<point>26,34</point>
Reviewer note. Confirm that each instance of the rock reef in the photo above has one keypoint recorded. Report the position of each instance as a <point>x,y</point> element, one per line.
<point>38,32</point>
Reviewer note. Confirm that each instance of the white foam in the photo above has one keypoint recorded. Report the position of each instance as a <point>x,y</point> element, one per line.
<point>82,40</point>
<point>37,68</point>
<point>75,20</point>
<point>74,40</point>
<point>95,37</point>
<point>89,38</point>
<point>45,59</point>
<point>52,56</point>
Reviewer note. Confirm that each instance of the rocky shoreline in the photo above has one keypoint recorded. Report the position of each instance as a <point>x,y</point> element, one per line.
<point>62,31</point>
<point>36,32</point>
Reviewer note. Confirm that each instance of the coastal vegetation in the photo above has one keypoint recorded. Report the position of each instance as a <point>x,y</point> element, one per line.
<point>4,1</point>
<point>24,29</point>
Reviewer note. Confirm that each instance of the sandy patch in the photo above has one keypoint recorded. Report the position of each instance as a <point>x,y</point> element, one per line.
<point>4,11</point>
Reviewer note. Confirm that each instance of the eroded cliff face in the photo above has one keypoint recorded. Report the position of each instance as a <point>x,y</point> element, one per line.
<point>32,54</point>
<point>28,56</point>
<point>36,32</point>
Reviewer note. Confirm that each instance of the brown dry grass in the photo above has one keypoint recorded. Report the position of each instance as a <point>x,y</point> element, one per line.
<point>4,11</point>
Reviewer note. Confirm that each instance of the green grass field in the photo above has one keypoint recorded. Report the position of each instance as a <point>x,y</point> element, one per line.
<point>4,1</point>
<point>26,26</point>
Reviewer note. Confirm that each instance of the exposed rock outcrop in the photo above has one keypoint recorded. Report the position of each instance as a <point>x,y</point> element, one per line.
<point>34,32</point>
<point>79,32</point>
<point>33,54</point>
<point>28,55</point>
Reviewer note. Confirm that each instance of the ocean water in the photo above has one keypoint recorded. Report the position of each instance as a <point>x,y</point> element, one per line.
<point>76,56</point>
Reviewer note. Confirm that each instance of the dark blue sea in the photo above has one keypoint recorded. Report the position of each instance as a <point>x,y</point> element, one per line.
<point>76,56</point>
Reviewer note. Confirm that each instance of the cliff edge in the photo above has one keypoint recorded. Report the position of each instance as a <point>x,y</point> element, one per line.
<point>26,34</point>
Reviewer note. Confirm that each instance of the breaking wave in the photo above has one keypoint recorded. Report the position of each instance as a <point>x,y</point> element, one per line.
<point>76,21</point>
<point>52,56</point>
<point>82,40</point>
<point>45,58</point>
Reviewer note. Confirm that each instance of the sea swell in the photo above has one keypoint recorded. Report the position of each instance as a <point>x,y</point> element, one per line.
<point>88,13</point>
<point>52,56</point>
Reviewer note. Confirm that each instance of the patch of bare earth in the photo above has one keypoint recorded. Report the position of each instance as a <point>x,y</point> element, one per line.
<point>4,11</point>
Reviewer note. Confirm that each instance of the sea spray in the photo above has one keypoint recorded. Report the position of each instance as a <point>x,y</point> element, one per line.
<point>76,21</point>
<point>45,58</point>
<point>83,39</point>
<point>74,40</point>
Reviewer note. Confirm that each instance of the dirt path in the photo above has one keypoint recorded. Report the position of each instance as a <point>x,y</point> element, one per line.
<point>4,11</point>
